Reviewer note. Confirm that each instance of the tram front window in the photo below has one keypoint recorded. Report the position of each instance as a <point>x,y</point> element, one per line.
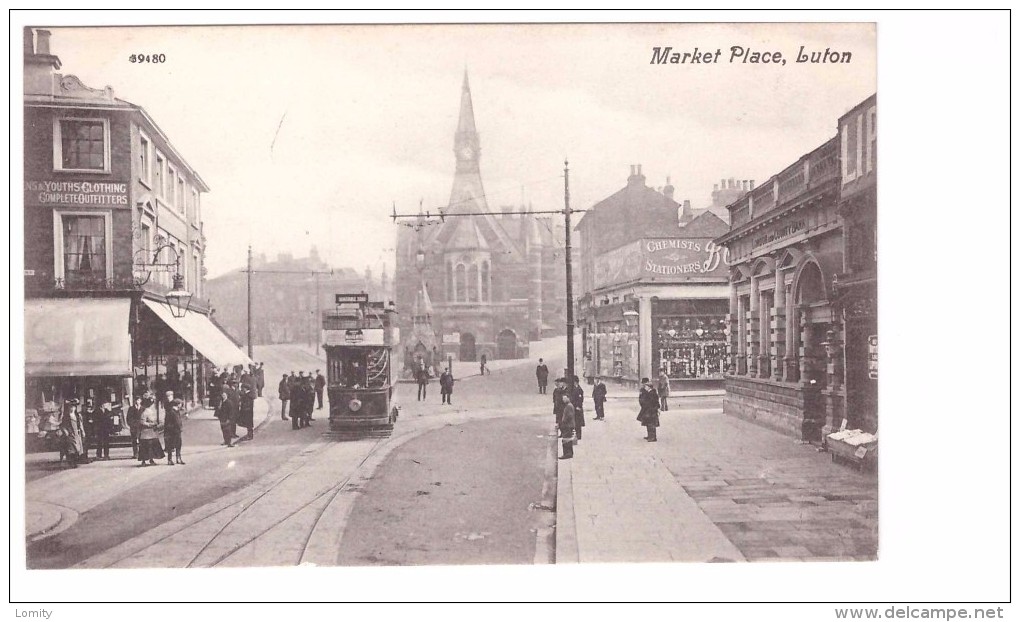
<point>347,369</point>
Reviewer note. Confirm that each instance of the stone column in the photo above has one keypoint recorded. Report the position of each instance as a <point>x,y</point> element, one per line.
<point>790,359</point>
<point>765,345</point>
<point>752,328</point>
<point>740,334</point>
<point>733,322</point>
<point>778,327</point>
<point>807,347</point>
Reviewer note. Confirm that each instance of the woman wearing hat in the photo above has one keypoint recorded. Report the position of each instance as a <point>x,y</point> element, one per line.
<point>149,447</point>
<point>649,415</point>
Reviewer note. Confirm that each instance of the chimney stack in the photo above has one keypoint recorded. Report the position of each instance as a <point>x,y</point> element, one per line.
<point>752,185</point>
<point>42,43</point>
<point>29,42</point>
<point>668,189</point>
<point>636,178</point>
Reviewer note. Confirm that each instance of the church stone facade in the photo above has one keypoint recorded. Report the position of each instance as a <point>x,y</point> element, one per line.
<point>495,280</point>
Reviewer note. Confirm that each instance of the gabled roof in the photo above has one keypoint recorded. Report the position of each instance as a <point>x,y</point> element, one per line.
<point>466,235</point>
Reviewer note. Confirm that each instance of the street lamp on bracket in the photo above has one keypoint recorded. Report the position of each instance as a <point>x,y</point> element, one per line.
<point>178,299</point>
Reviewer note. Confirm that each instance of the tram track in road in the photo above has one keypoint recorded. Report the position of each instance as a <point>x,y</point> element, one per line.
<point>332,492</point>
<point>247,497</point>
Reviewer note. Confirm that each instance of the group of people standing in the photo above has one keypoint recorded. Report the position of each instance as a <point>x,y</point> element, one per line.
<point>301,392</point>
<point>234,405</point>
<point>84,425</point>
<point>421,376</point>
<point>568,406</point>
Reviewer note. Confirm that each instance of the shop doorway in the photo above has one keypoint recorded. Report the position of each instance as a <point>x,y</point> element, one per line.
<point>506,344</point>
<point>467,347</point>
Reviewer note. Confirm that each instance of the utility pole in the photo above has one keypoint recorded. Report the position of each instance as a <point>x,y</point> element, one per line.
<point>318,314</point>
<point>570,284</point>
<point>250,351</point>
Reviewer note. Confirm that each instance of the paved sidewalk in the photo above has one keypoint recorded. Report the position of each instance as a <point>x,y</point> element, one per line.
<point>712,488</point>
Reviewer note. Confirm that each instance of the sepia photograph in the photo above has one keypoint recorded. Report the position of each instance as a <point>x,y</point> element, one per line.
<point>324,300</point>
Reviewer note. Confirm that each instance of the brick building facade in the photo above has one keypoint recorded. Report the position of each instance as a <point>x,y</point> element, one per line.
<point>112,214</point>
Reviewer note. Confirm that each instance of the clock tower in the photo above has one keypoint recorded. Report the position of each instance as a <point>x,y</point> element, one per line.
<point>468,194</point>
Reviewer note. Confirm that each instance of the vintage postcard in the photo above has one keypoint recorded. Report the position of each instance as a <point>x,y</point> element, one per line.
<point>338,296</point>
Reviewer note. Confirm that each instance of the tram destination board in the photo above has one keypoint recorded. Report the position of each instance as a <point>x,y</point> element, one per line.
<point>351,298</point>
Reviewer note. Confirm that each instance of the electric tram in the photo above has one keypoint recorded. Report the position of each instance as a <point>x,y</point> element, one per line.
<point>358,337</point>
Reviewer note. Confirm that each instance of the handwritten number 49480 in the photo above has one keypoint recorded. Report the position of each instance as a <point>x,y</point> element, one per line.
<point>147,58</point>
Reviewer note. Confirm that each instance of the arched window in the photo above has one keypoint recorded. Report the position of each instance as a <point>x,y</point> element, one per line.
<point>460,283</point>
<point>486,289</point>
<point>473,283</point>
<point>449,282</point>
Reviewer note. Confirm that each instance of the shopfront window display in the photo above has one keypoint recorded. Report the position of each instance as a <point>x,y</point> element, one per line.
<point>690,347</point>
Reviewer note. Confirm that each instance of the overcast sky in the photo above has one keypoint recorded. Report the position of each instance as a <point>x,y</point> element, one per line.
<point>368,115</point>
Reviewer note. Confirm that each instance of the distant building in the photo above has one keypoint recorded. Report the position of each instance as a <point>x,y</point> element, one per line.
<point>284,307</point>
<point>495,280</point>
<point>653,288</point>
<point>112,213</point>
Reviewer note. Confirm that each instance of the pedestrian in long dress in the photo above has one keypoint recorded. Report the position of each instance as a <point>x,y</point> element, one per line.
<point>173,431</point>
<point>648,399</point>
<point>149,447</point>
<point>88,421</point>
<point>72,434</point>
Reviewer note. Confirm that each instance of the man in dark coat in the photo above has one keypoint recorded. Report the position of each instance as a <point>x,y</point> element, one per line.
<point>89,415</point>
<point>598,395</point>
<point>542,374</point>
<point>421,374</point>
<point>558,392</point>
<point>260,379</point>
<point>226,412</point>
<point>446,386</point>
<point>246,411</point>
<point>566,426</point>
<point>320,386</point>
<point>103,425</point>
<point>649,415</point>
<point>284,393</point>
<point>173,428</point>
<point>577,399</point>
<point>230,393</point>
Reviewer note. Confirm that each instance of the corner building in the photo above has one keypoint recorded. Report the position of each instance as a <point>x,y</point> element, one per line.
<point>653,288</point>
<point>112,213</point>
<point>802,316</point>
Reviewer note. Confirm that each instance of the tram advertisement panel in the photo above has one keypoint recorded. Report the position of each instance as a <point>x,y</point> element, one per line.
<point>355,337</point>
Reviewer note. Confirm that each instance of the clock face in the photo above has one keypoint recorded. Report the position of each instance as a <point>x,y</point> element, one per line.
<point>467,153</point>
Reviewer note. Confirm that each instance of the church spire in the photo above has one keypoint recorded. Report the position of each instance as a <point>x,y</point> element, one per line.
<point>466,124</point>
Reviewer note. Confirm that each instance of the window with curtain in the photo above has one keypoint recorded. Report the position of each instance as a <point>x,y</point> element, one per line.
<point>82,144</point>
<point>84,249</point>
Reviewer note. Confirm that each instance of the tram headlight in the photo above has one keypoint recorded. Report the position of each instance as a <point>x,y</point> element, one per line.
<point>354,405</point>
